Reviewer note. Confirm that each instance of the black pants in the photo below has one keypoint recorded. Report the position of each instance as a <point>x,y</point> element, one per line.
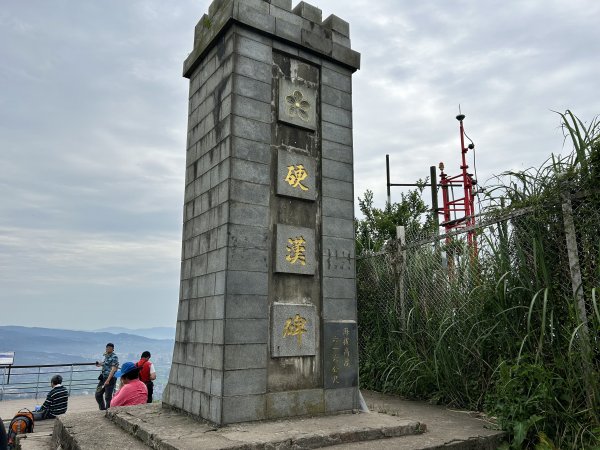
<point>3,436</point>
<point>42,415</point>
<point>150,386</point>
<point>104,393</point>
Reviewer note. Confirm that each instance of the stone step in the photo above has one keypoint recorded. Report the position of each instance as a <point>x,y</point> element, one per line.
<point>166,429</point>
<point>427,441</point>
<point>92,431</point>
<point>35,441</point>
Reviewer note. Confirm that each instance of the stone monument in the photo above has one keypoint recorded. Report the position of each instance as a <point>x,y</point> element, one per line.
<point>266,325</point>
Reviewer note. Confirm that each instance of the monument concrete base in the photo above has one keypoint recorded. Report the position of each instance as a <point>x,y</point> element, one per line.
<point>90,429</point>
<point>164,428</point>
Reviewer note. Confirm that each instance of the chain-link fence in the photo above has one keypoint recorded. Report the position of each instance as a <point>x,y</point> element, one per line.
<point>529,280</point>
<point>504,316</point>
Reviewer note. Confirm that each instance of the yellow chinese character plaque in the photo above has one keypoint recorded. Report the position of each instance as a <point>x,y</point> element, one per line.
<point>296,175</point>
<point>295,250</point>
<point>293,331</point>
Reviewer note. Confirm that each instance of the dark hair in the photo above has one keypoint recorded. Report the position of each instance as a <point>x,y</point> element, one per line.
<point>146,354</point>
<point>56,379</point>
<point>132,374</point>
<point>110,344</point>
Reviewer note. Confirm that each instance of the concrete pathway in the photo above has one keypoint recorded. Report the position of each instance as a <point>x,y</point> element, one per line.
<point>446,428</point>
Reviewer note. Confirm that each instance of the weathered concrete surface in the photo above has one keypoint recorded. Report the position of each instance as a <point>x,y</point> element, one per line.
<point>91,431</point>
<point>40,439</point>
<point>35,441</point>
<point>165,429</point>
<point>446,428</point>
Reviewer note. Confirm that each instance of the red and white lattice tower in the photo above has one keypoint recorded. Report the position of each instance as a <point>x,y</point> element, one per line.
<point>459,213</point>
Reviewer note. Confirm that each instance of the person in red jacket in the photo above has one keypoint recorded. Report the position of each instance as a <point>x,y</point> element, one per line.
<point>147,373</point>
<point>133,391</point>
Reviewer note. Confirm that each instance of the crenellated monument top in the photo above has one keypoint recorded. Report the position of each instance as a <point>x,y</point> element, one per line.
<point>302,26</point>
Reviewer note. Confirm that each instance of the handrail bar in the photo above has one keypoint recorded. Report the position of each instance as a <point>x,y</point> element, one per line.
<point>30,379</point>
<point>53,371</point>
<point>46,365</point>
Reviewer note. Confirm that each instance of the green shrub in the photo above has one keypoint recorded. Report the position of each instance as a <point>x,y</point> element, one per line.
<point>505,333</point>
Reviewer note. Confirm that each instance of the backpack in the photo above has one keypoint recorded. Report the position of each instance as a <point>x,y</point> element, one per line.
<point>20,424</point>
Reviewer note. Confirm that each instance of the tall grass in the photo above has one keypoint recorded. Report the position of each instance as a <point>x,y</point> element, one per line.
<point>502,335</point>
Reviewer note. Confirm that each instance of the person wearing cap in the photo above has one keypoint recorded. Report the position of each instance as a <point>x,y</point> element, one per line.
<point>133,391</point>
<point>107,380</point>
<point>56,401</point>
<point>147,373</point>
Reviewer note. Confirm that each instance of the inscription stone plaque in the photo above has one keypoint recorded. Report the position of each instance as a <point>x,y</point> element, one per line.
<point>296,175</point>
<point>340,340</point>
<point>293,330</point>
<point>297,104</point>
<point>339,260</point>
<point>295,250</point>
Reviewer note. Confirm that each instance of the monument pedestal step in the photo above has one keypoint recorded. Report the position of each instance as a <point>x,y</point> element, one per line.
<point>35,441</point>
<point>164,428</point>
<point>91,430</point>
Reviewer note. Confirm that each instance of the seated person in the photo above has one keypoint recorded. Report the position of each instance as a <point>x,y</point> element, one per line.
<point>56,401</point>
<point>133,391</point>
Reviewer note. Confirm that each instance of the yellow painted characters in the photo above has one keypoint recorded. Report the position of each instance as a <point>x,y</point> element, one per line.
<point>295,326</point>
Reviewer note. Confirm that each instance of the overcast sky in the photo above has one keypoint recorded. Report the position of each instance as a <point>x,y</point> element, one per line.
<point>93,115</point>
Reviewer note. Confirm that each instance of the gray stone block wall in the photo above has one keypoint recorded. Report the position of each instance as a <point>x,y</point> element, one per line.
<point>242,133</point>
<point>339,285</point>
<point>246,328</point>
<point>196,377</point>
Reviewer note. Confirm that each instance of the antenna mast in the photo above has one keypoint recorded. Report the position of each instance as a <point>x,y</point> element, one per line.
<point>460,213</point>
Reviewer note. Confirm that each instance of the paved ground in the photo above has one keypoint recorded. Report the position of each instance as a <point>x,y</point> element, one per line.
<point>8,408</point>
<point>81,403</point>
<point>446,428</point>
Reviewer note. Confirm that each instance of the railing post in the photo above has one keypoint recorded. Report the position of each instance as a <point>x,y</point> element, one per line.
<point>70,379</point>
<point>3,383</point>
<point>37,385</point>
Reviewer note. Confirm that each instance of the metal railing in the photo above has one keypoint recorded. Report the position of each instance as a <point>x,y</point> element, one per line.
<point>34,381</point>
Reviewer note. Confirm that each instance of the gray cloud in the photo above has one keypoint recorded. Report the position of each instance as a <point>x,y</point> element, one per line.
<point>93,113</point>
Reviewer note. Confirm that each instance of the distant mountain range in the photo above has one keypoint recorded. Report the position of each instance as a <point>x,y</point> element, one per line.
<point>152,333</point>
<point>53,346</point>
